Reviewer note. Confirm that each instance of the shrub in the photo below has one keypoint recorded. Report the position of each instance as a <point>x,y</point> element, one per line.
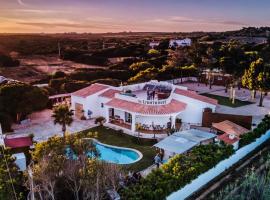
<point>179,171</point>
<point>100,120</point>
<point>57,83</point>
<point>59,74</point>
<point>256,133</point>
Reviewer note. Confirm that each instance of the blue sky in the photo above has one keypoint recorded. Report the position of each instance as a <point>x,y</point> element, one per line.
<point>130,15</point>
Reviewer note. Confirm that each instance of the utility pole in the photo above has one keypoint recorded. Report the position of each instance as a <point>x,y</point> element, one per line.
<point>59,50</point>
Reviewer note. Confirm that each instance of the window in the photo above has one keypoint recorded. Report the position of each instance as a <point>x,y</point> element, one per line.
<point>102,105</point>
<point>128,117</point>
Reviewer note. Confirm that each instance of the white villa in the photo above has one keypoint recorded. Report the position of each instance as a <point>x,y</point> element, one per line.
<point>153,44</point>
<point>180,43</point>
<point>151,107</point>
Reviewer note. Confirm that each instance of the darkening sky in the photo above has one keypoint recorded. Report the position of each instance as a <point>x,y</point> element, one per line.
<point>131,15</point>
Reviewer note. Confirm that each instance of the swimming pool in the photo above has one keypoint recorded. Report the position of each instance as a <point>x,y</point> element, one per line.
<point>111,154</point>
<point>118,155</point>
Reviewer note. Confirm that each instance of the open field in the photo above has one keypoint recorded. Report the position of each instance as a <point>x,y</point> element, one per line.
<point>35,68</point>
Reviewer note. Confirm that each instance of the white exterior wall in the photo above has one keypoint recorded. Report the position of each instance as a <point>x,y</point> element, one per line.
<point>194,110</point>
<point>182,43</point>
<point>92,102</point>
<point>103,111</point>
<point>79,100</point>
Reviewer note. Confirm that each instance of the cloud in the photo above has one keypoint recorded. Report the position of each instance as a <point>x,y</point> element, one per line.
<point>21,3</point>
<point>233,23</point>
<point>70,24</point>
<point>53,25</point>
<point>178,20</point>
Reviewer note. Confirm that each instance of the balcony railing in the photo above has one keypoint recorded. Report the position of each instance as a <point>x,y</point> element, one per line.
<point>143,101</point>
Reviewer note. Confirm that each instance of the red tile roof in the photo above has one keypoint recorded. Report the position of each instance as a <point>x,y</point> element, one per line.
<point>92,89</point>
<point>173,107</point>
<point>110,93</point>
<point>18,142</point>
<point>230,128</point>
<point>225,138</point>
<point>194,95</point>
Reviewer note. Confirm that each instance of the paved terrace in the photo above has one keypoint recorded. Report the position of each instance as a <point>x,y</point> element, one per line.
<point>42,126</point>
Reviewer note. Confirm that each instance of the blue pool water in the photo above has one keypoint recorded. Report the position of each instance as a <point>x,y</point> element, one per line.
<point>117,155</point>
<point>111,154</point>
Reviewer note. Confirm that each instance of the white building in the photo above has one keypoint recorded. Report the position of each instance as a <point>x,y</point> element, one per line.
<point>180,43</point>
<point>150,107</point>
<point>153,44</point>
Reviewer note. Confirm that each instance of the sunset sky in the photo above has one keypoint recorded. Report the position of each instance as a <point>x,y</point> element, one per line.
<point>51,16</point>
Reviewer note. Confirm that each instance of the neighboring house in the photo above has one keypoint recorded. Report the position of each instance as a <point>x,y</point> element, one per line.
<point>182,142</point>
<point>151,107</point>
<point>180,43</point>
<point>153,44</point>
<point>19,145</point>
<point>229,132</point>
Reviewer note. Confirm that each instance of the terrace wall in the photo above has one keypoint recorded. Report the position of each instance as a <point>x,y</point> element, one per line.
<point>209,117</point>
<point>206,177</point>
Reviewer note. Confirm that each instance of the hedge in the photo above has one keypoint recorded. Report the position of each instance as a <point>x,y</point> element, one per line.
<point>256,133</point>
<point>179,171</point>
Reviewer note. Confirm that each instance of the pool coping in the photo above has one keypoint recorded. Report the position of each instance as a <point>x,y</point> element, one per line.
<point>117,147</point>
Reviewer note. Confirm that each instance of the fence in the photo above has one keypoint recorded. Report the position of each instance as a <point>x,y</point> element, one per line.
<point>184,79</point>
<point>206,177</point>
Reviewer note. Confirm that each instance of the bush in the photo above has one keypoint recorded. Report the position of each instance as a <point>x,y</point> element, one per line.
<point>59,74</point>
<point>256,133</point>
<point>179,171</point>
<point>7,61</point>
<point>57,83</point>
<point>6,122</point>
<point>100,120</point>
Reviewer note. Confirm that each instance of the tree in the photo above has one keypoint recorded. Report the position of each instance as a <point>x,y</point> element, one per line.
<point>153,52</point>
<point>72,169</point>
<point>145,75</point>
<point>263,81</point>
<point>45,174</point>
<point>257,77</point>
<point>63,115</point>
<point>11,179</point>
<point>140,66</point>
<point>178,58</point>
<point>19,99</point>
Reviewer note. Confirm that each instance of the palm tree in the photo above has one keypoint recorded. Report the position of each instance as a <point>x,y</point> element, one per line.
<point>63,116</point>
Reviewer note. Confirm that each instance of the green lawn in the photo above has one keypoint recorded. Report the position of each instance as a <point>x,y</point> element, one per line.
<point>117,138</point>
<point>226,101</point>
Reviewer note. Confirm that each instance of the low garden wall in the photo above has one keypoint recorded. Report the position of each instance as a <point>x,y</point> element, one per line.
<point>206,177</point>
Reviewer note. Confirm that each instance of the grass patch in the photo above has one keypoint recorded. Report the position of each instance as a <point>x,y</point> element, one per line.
<point>225,101</point>
<point>118,138</point>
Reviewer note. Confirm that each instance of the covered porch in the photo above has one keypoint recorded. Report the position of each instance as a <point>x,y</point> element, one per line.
<point>147,124</point>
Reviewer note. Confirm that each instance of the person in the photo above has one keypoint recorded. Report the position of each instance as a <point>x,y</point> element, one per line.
<point>157,160</point>
<point>161,153</point>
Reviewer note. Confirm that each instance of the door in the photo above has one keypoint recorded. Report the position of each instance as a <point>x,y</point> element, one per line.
<point>78,110</point>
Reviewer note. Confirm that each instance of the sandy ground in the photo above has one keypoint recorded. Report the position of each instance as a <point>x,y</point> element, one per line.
<point>38,67</point>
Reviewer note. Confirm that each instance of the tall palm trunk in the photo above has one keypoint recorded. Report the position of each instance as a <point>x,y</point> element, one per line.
<point>261,99</point>
<point>64,128</point>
